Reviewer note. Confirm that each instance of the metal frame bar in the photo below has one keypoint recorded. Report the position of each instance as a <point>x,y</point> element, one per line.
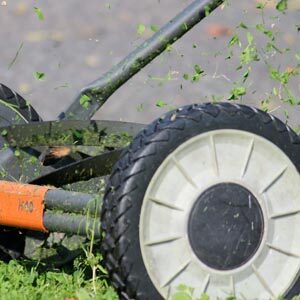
<point>101,89</point>
<point>45,209</point>
<point>47,133</point>
<point>73,202</point>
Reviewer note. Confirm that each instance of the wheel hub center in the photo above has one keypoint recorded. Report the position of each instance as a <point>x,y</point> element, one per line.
<point>225,226</point>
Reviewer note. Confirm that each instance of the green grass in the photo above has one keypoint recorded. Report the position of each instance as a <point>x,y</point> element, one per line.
<point>23,280</point>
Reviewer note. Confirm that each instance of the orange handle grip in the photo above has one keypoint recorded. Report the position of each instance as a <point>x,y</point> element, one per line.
<point>22,205</point>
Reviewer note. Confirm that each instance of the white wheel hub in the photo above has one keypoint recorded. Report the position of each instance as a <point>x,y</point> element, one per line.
<point>222,156</point>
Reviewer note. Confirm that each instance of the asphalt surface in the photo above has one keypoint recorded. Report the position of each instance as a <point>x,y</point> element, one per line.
<point>79,40</point>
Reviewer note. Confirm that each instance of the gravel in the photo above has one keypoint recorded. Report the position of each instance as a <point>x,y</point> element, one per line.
<point>79,40</point>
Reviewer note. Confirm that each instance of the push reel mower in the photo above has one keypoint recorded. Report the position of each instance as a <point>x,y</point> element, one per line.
<point>207,196</point>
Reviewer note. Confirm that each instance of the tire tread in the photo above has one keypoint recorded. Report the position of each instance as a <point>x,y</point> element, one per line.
<point>113,250</point>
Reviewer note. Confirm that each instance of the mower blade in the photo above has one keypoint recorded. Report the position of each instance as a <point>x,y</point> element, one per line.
<point>85,169</point>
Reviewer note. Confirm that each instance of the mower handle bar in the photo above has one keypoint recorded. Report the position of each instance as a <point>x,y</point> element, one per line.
<point>97,92</point>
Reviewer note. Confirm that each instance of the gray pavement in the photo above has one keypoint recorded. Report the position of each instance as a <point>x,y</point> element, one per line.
<point>79,40</point>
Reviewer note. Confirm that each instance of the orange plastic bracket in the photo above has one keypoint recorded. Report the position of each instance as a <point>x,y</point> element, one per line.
<point>22,205</point>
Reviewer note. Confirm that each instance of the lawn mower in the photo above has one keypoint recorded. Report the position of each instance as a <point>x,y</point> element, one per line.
<point>206,196</point>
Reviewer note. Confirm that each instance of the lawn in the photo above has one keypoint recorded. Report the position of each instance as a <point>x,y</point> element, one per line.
<point>25,280</point>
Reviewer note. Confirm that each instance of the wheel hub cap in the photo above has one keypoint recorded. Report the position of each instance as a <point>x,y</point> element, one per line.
<point>225,226</point>
<point>221,215</point>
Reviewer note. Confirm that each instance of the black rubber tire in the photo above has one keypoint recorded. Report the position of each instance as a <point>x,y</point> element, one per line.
<point>26,110</point>
<point>12,241</point>
<point>131,175</point>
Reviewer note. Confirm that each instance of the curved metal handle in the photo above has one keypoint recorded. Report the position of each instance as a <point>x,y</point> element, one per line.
<point>96,94</point>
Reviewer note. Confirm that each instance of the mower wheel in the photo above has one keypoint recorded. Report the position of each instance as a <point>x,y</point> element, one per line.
<point>13,110</point>
<point>206,197</point>
<point>20,110</point>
